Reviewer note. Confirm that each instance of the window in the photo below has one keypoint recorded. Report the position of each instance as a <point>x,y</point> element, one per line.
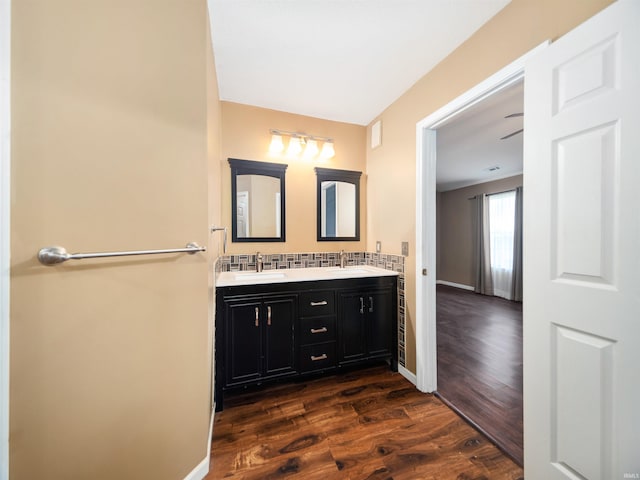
<point>501,233</point>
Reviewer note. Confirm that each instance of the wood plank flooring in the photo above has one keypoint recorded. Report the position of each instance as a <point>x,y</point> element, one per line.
<point>366,424</point>
<point>480,363</point>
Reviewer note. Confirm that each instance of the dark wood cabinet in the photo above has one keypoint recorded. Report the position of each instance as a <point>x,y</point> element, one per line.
<point>366,324</point>
<point>286,330</point>
<point>259,338</point>
<point>316,335</point>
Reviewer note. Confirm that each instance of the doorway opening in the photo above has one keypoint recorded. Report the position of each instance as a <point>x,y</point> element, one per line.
<point>426,212</point>
<point>479,331</point>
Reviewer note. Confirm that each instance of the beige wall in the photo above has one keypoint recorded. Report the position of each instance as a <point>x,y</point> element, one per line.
<point>519,27</point>
<point>455,228</point>
<point>110,359</point>
<point>245,135</point>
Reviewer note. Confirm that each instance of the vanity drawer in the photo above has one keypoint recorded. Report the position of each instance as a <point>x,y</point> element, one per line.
<point>317,357</point>
<point>317,303</point>
<point>317,329</point>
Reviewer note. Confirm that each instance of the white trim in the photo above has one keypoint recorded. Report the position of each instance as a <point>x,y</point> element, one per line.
<point>426,361</point>
<point>5,225</point>
<point>202,469</point>
<point>407,374</point>
<point>456,285</point>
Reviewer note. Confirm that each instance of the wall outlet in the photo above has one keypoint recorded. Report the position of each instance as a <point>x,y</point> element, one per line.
<point>378,246</point>
<point>405,249</point>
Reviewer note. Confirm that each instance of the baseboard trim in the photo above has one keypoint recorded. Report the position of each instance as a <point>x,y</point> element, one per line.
<point>407,374</point>
<point>202,469</point>
<point>456,285</point>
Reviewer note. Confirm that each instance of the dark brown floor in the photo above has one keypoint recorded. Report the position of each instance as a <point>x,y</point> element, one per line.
<point>480,363</point>
<point>369,424</point>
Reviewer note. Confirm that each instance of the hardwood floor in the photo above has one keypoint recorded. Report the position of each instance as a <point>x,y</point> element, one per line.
<point>367,424</point>
<point>480,363</point>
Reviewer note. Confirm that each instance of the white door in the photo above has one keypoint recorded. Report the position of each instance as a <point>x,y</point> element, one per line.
<point>582,244</point>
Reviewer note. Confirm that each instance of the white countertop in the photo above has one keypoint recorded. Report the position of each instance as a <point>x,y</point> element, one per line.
<point>230,279</point>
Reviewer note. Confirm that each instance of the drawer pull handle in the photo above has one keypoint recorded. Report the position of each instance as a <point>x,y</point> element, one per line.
<point>361,305</point>
<point>269,316</point>
<point>319,357</point>
<point>257,317</point>
<point>319,330</point>
<point>370,304</point>
<point>319,304</point>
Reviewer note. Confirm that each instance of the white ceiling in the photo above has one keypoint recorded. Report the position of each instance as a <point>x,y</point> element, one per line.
<point>469,144</point>
<point>342,60</point>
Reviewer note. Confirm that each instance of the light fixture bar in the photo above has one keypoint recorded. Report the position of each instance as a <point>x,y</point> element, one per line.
<point>301,135</point>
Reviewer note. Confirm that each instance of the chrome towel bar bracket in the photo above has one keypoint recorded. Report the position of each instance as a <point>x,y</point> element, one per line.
<point>55,255</point>
<point>224,241</point>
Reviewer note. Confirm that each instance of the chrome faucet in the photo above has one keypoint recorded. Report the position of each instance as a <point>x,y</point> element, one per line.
<point>259,264</point>
<point>343,259</point>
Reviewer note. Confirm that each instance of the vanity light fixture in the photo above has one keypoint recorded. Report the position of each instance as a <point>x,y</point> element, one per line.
<point>300,142</point>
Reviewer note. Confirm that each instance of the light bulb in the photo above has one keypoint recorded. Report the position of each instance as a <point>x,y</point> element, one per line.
<point>295,146</point>
<point>327,150</point>
<point>276,145</point>
<point>311,150</point>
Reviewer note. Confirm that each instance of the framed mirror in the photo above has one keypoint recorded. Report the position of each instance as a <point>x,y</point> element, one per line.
<point>257,201</point>
<point>338,205</point>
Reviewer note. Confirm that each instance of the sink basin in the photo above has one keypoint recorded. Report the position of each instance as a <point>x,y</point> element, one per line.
<point>259,275</point>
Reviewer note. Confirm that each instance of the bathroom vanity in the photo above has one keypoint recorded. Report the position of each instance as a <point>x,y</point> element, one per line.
<point>285,324</point>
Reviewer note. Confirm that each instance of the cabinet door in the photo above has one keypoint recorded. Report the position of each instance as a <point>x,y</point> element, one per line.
<point>244,342</point>
<point>279,315</point>
<point>380,335</point>
<point>351,325</point>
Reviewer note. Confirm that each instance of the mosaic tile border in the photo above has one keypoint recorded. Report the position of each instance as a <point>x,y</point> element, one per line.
<point>275,261</point>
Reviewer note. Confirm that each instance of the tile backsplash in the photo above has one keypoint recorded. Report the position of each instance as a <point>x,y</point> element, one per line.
<point>275,261</point>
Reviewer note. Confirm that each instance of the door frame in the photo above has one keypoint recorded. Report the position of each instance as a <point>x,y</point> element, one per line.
<point>426,346</point>
<point>5,224</point>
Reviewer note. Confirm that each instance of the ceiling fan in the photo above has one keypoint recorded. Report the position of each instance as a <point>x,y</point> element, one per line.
<point>513,115</point>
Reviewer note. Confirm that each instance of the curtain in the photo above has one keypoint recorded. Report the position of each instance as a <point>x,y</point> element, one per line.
<point>482,244</point>
<point>516,284</point>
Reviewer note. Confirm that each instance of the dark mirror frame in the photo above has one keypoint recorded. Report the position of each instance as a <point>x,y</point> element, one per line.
<point>251,167</point>
<point>333,175</point>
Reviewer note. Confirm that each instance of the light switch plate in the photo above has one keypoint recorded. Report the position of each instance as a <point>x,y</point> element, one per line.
<point>405,249</point>
<point>378,246</point>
